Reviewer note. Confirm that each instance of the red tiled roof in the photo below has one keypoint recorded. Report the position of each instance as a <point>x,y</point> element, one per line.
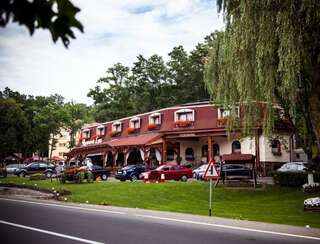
<point>237,157</point>
<point>134,140</point>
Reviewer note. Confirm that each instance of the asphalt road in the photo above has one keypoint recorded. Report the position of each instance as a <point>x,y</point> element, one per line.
<point>36,222</point>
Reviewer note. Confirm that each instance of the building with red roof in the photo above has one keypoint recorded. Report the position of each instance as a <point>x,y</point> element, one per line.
<point>189,133</point>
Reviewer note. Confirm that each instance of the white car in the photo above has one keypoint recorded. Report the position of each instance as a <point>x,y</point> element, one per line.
<point>293,167</point>
<point>199,172</point>
<point>11,168</point>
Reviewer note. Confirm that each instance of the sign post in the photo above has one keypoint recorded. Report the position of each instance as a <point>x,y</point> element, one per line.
<point>211,173</point>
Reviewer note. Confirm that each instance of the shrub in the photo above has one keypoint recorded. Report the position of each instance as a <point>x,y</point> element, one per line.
<point>293,179</point>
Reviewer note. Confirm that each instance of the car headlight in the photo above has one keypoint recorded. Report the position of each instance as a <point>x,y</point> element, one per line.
<point>124,172</point>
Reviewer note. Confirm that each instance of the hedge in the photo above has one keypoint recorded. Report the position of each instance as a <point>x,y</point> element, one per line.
<point>293,179</point>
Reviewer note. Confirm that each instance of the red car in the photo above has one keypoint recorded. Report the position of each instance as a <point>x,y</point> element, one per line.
<point>171,172</point>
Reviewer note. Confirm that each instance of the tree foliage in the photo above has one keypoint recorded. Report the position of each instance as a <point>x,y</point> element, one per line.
<point>269,52</point>
<point>151,83</point>
<point>28,124</point>
<point>57,16</point>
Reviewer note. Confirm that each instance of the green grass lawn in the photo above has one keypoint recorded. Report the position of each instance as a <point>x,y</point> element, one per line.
<point>270,204</point>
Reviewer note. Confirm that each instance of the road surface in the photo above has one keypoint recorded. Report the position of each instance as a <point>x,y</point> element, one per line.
<point>24,221</point>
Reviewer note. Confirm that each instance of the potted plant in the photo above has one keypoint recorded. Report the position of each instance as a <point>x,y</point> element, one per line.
<point>183,123</point>
<point>152,126</point>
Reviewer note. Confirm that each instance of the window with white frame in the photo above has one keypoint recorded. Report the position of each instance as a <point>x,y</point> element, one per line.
<point>184,115</point>
<point>100,130</point>
<point>224,113</point>
<point>135,123</point>
<point>116,127</point>
<point>86,133</point>
<point>155,119</point>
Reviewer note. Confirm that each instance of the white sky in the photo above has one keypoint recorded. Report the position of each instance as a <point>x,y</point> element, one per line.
<point>115,31</point>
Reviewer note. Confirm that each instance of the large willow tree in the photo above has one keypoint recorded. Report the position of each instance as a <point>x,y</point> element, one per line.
<point>270,52</point>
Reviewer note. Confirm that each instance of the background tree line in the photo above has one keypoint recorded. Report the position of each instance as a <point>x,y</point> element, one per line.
<point>28,123</point>
<point>151,83</point>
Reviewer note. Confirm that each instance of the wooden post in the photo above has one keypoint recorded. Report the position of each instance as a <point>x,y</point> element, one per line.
<point>104,163</point>
<point>164,151</point>
<point>209,148</point>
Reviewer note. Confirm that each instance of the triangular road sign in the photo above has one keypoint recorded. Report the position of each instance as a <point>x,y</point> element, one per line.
<point>211,171</point>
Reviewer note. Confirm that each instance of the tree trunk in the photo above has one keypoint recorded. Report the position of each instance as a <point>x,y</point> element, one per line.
<point>314,105</point>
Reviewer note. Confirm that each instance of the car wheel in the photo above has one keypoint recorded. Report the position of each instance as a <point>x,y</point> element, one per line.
<point>22,174</point>
<point>184,178</point>
<point>104,177</point>
<point>134,178</point>
<point>48,174</point>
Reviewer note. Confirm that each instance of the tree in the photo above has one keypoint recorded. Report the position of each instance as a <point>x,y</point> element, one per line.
<point>57,16</point>
<point>270,52</point>
<point>77,114</point>
<point>13,125</point>
<point>151,83</point>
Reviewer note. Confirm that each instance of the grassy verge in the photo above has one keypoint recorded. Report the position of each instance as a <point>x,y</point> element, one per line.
<point>270,204</point>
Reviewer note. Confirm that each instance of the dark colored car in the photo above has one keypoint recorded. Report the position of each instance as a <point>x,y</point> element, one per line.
<point>235,172</point>
<point>36,167</point>
<point>130,172</point>
<point>99,171</point>
<point>171,172</point>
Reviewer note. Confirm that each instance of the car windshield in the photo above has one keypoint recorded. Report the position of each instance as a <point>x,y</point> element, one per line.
<point>203,167</point>
<point>129,167</point>
<point>13,166</point>
<point>96,167</point>
<point>163,167</point>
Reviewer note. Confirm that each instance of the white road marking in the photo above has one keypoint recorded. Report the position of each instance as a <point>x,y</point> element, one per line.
<point>63,206</point>
<point>228,227</point>
<point>50,232</point>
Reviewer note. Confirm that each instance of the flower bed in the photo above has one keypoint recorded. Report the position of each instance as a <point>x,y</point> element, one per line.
<point>152,126</point>
<point>222,121</point>
<point>114,133</point>
<point>183,123</point>
<point>131,130</point>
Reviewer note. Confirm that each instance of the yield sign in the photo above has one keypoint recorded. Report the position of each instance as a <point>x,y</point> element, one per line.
<point>211,171</point>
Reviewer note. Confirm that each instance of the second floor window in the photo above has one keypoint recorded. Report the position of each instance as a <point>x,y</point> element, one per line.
<point>100,131</point>
<point>116,127</point>
<point>135,123</point>
<point>155,119</point>
<point>86,134</point>
<point>184,115</point>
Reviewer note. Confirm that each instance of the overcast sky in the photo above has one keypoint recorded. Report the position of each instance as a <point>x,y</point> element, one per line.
<point>115,31</point>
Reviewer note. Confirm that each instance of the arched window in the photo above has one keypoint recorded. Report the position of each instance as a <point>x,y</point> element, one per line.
<point>189,154</point>
<point>216,150</point>
<point>170,154</point>
<point>276,147</point>
<point>205,151</point>
<point>236,147</point>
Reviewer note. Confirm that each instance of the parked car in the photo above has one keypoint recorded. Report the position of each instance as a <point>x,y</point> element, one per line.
<point>199,172</point>
<point>130,172</point>
<point>293,167</point>
<point>99,171</point>
<point>235,172</point>
<point>36,167</point>
<point>171,172</point>
<point>11,168</point>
